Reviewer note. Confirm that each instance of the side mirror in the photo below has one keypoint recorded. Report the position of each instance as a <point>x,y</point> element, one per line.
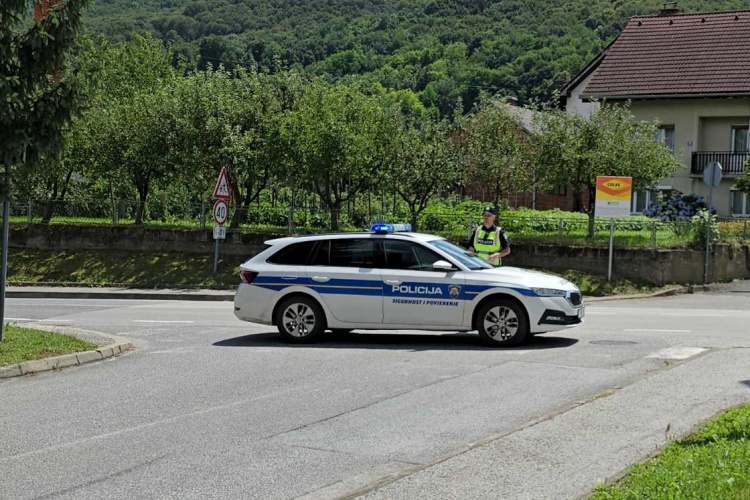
<point>443,265</point>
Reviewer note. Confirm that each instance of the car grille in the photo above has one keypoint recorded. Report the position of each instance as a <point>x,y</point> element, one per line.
<point>576,298</point>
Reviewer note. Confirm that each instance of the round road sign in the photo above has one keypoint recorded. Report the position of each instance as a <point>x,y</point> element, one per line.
<point>221,211</point>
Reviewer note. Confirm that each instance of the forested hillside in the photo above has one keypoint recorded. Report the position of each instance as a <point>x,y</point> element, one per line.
<point>441,49</point>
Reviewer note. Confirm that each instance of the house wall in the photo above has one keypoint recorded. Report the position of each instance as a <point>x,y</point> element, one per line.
<point>575,106</point>
<point>700,125</point>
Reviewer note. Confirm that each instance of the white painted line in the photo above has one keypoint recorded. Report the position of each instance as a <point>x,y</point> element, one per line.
<point>48,320</point>
<point>655,331</point>
<point>677,352</point>
<point>598,313</point>
<point>158,321</point>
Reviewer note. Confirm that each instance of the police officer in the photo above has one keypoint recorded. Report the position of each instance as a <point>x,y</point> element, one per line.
<point>488,241</point>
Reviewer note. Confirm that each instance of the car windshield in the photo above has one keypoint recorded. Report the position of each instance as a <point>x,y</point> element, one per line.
<point>462,255</point>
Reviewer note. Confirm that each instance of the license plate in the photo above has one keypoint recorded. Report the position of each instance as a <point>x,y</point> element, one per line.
<point>582,312</point>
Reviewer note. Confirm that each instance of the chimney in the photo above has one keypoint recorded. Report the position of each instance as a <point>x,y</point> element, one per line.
<point>511,100</point>
<point>669,9</point>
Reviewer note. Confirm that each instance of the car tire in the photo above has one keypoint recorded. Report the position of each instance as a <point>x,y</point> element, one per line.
<point>300,320</point>
<point>502,323</point>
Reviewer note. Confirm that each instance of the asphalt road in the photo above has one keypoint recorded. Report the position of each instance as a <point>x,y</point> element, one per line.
<point>209,407</point>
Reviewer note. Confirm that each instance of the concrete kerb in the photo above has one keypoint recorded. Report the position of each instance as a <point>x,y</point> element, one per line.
<point>661,293</point>
<point>53,292</point>
<point>109,346</point>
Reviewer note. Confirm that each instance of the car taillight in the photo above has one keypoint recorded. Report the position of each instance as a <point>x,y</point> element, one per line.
<point>248,276</point>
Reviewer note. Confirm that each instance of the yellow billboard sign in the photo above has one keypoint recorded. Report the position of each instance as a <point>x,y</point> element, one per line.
<point>613,195</point>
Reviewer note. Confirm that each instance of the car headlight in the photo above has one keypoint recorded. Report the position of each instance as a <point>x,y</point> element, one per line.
<point>549,292</point>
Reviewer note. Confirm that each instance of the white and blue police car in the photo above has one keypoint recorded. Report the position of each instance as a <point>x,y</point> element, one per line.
<point>388,279</point>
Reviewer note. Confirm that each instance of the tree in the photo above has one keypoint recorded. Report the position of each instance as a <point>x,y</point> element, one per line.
<point>743,181</point>
<point>328,143</point>
<point>419,159</point>
<point>497,151</point>
<point>132,121</point>
<point>573,151</point>
<point>35,102</point>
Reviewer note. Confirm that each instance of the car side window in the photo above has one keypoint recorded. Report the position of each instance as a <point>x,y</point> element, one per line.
<point>294,254</point>
<point>401,254</point>
<point>347,252</point>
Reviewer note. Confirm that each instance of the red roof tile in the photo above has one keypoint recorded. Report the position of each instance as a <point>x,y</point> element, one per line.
<point>683,54</point>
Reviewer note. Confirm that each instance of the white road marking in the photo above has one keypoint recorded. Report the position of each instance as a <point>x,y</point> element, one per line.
<point>655,331</point>
<point>40,320</point>
<point>159,321</point>
<point>589,312</point>
<point>677,352</point>
<point>695,315</point>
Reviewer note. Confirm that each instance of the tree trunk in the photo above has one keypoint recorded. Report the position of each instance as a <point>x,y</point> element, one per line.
<point>49,211</point>
<point>335,212</point>
<point>139,211</point>
<point>414,216</point>
<point>592,213</point>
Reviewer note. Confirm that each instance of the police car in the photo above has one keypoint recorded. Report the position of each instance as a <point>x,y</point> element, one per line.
<point>388,279</point>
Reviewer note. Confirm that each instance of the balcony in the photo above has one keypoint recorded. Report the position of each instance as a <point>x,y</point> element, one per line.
<point>731,163</point>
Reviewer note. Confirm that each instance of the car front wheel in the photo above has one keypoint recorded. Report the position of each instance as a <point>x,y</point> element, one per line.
<point>300,319</point>
<point>502,323</point>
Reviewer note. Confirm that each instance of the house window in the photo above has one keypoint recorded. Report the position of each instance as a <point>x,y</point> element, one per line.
<point>665,134</point>
<point>560,190</point>
<point>642,199</point>
<point>740,142</point>
<point>740,204</point>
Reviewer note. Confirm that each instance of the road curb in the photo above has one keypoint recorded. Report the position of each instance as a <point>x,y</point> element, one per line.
<point>119,294</point>
<point>65,360</point>
<point>663,293</point>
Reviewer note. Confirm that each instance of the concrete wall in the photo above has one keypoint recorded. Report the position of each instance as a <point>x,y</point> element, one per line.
<point>658,267</point>
<point>642,265</point>
<point>575,106</point>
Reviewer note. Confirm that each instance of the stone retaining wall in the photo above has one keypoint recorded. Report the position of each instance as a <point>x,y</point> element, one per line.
<point>656,267</point>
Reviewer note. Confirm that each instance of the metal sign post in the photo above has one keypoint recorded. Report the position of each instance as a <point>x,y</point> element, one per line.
<point>220,212</point>
<point>712,178</point>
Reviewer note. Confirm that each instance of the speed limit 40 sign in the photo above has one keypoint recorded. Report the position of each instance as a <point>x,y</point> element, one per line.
<point>221,211</point>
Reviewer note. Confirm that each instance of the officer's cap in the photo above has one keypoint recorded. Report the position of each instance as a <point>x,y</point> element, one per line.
<point>489,211</point>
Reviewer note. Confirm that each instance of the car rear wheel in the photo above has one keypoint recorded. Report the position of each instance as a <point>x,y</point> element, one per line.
<point>502,323</point>
<point>300,319</point>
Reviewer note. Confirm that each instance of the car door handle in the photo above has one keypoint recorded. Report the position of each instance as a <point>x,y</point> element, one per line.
<point>321,279</point>
<point>289,277</point>
<point>393,282</point>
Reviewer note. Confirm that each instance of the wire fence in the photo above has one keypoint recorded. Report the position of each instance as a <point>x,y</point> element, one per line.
<point>562,228</point>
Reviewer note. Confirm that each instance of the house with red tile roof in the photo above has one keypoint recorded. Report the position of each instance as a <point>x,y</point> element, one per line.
<point>691,72</point>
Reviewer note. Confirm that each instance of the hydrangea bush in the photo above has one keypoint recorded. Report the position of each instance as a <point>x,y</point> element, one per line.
<point>688,214</point>
<point>676,206</point>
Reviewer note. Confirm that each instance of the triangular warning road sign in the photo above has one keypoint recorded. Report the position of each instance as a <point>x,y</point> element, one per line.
<point>221,191</point>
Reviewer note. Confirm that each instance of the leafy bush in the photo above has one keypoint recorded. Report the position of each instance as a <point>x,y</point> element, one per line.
<point>701,222</point>
<point>676,206</point>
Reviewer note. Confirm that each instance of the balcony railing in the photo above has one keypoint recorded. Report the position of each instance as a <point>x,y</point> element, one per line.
<point>731,163</point>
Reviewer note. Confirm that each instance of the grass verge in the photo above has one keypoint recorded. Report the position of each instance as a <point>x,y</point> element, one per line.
<point>25,344</point>
<point>150,270</point>
<point>712,463</point>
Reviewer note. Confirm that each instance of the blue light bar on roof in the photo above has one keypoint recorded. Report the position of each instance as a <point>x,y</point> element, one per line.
<point>381,227</point>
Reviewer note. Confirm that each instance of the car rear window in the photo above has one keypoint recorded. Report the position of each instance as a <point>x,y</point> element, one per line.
<point>295,254</point>
<point>354,252</point>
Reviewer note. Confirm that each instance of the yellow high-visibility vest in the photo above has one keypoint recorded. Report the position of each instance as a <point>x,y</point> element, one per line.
<point>484,247</point>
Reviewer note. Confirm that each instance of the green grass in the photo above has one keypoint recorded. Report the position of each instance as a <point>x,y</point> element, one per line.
<point>713,463</point>
<point>25,344</point>
<point>92,268</point>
